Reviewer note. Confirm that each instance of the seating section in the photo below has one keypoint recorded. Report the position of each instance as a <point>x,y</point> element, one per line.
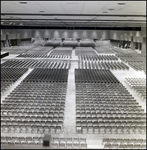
<point>9,76</point>
<point>94,76</point>
<point>47,75</point>
<point>87,43</point>
<point>53,42</point>
<point>38,141</point>
<point>76,143</point>
<point>36,52</point>
<point>97,57</point>
<point>34,107</point>
<point>5,85</point>
<point>73,43</point>
<point>60,53</point>
<point>104,49</point>
<point>102,65</point>
<point>37,104</point>
<point>134,59</point>
<point>36,64</point>
<point>118,143</point>
<point>108,108</point>
<point>138,85</point>
<point>104,106</point>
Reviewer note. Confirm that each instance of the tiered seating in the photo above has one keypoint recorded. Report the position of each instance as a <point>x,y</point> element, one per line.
<point>38,141</point>
<point>53,42</point>
<point>70,42</point>
<point>103,105</point>
<point>118,143</point>
<point>80,51</point>
<point>102,65</point>
<point>36,64</point>
<point>47,75</point>
<point>138,85</point>
<point>104,49</point>
<point>94,76</point>
<point>87,43</point>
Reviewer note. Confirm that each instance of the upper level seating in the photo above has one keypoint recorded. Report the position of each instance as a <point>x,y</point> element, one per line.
<point>80,51</point>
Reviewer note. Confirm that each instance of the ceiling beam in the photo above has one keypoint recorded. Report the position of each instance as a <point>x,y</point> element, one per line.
<point>45,14</point>
<point>72,19</point>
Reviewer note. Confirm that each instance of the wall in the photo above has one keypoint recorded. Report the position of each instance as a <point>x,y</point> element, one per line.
<point>70,33</point>
<point>126,35</point>
<point>16,33</point>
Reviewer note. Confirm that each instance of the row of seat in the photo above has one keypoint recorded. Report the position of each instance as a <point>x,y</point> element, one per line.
<point>102,65</point>
<point>100,106</point>
<point>123,141</point>
<point>95,76</point>
<point>26,55</point>
<point>85,51</point>
<point>38,141</point>
<point>138,85</point>
<point>36,64</point>
<point>136,81</point>
<point>95,57</point>
<point>5,85</point>
<point>12,74</point>
<point>111,129</point>
<point>46,110</point>
<point>138,66</point>
<point>124,146</point>
<point>32,128</point>
<point>50,75</point>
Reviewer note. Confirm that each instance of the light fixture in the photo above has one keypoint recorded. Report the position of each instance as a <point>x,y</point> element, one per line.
<point>111,9</point>
<point>105,12</point>
<point>72,3</point>
<point>23,2</point>
<point>121,3</point>
<point>41,11</point>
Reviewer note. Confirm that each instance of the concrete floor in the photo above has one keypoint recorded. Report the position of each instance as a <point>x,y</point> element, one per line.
<point>69,127</point>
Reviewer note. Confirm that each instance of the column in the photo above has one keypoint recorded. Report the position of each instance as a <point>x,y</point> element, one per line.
<point>132,43</point>
<point>143,51</point>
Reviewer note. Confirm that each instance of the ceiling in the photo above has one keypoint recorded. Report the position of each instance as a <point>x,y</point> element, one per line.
<point>74,13</point>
